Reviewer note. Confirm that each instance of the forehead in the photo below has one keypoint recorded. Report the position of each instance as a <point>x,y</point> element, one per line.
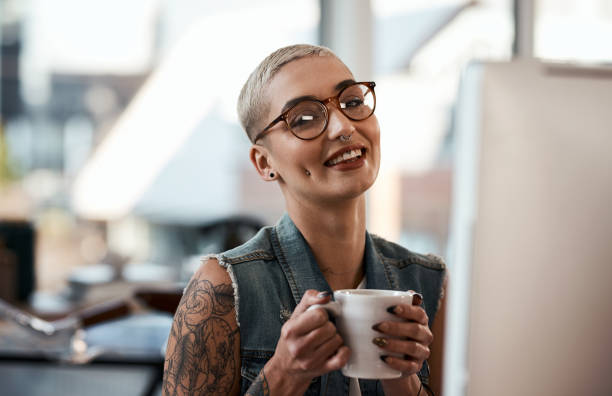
<point>314,75</point>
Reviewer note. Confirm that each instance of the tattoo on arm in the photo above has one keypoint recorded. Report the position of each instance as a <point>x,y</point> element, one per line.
<point>259,387</point>
<point>200,357</point>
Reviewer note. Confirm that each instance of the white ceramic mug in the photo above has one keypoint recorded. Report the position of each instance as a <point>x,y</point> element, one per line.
<point>356,311</point>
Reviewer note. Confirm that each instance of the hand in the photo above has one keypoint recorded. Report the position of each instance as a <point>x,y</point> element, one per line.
<point>309,345</point>
<point>411,338</point>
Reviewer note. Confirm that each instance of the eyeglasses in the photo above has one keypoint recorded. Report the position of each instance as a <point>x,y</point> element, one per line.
<point>308,118</point>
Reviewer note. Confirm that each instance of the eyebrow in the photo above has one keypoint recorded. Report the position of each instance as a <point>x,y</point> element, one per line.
<point>341,85</point>
<point>294,101</point>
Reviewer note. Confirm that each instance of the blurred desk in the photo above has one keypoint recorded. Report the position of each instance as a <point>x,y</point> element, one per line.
<point>124,357</point>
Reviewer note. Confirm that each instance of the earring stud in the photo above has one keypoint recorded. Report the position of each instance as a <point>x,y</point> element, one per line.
<point>272,174</point>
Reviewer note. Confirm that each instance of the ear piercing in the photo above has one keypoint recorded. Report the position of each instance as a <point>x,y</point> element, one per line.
<point>271,174</point>
<point>307,172</point>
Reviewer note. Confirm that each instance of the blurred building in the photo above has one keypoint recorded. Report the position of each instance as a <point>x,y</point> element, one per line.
<point>125,120</point>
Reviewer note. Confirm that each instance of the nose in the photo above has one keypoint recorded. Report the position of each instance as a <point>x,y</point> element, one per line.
<point>338,124</point>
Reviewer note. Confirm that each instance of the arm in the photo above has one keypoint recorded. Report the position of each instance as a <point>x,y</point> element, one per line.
<point>309,346</point>
<point>203,353</point>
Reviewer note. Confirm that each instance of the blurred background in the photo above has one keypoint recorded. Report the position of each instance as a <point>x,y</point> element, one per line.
<point>122,160</point>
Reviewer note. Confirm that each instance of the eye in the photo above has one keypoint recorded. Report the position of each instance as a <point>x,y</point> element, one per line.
<point>302,120</point>
<point>306,115</point>
<point>353,102</point>
<point>353,96</point>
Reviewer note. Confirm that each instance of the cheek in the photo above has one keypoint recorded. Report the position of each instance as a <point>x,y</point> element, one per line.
<point>375,141</point>
<point>374,136</point>
<point>376,129</point>
<point>291,158</point>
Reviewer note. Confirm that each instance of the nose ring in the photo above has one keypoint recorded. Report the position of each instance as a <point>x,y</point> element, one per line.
<point>345,138</point>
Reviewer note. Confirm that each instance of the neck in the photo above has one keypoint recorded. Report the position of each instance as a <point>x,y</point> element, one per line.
<point>336,236</point>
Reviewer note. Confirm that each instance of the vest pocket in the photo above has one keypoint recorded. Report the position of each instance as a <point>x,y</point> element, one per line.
<point>251,364</point>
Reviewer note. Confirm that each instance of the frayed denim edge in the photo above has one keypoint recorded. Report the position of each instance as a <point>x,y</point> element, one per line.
<point>442,291</point>
<point>230,271</point>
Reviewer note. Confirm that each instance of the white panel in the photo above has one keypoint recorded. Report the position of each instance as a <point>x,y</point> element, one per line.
<point>541,301</point>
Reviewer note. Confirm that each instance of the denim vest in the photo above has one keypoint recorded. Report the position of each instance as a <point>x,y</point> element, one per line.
<point>271,272</point>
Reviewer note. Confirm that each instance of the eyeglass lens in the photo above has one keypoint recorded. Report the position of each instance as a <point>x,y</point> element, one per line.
<point>308,118</point>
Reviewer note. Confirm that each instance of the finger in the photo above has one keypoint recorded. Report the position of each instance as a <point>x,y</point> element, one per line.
<point>409,312</point>
<point>411,349</point>
<point>314,359</point>
<point>411,330</point>
<point>310,358</point>
<point>305,323</point>
<point>311,297</point>
<point>328,348</point>
<point>404,365</point>
<point>337,360</point>
<point>318,336</point>
<point>417,298</point>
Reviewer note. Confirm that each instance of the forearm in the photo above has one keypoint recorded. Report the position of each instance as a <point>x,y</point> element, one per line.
<point>403,386</point>
<point>271,381</point>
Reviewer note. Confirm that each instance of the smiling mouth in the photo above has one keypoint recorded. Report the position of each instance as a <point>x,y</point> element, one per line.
<point>346,157</point>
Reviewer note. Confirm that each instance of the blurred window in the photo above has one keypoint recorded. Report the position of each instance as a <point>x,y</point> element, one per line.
<point>421,48</point>
<point>570,30</point>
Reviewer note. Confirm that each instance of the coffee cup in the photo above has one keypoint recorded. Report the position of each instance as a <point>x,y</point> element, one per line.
<point>355,312</point>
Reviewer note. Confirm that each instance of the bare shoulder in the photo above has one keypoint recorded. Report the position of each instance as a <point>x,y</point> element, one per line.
<point>203,353</point>
<point>211,270</point>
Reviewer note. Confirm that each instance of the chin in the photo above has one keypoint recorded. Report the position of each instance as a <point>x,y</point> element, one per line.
<point>354,190</point>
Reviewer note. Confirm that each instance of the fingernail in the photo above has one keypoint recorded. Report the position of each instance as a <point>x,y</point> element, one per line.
<point>323,294</point>
<point>383,357</point>
<point>380,341</point>
<point>417,299</point>
<point>395,309</point>
<point>382,327</point>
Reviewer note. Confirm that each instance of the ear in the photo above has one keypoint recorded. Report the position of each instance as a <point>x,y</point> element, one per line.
<point>261,160</point>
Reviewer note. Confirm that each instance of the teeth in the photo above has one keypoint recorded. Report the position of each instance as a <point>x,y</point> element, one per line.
<point>345,156</point>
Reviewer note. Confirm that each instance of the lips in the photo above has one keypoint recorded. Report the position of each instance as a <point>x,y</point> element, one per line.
<point>346,155</point>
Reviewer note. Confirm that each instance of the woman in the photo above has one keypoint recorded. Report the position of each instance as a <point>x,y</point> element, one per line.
<point>242,325</point>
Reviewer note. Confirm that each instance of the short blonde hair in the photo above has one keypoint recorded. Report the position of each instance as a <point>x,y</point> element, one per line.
<point>252,103</point>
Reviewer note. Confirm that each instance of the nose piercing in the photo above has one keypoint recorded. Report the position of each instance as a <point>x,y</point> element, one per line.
<point>345,138</point>
<point>307,172</point>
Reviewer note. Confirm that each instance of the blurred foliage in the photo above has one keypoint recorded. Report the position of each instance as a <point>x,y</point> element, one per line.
<point>6,171</point>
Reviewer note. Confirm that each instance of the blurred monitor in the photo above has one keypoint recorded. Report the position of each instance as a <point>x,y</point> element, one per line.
<point>531,241</point>
<point>16,260</point>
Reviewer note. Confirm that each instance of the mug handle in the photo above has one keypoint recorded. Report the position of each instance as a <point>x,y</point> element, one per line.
<point>332,308</point>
